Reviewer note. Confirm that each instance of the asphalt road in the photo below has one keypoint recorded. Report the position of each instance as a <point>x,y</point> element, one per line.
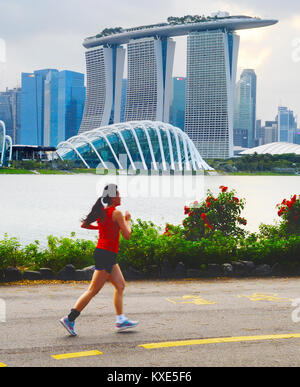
<point>191,312</point>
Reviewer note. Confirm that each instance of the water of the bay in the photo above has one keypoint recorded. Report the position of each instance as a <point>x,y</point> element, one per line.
<point>35,206</point>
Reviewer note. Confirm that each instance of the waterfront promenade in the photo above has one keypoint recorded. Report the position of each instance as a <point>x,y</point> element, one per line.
<point>183,323</point>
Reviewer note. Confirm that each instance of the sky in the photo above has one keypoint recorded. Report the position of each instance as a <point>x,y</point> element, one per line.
<point>38,34</point>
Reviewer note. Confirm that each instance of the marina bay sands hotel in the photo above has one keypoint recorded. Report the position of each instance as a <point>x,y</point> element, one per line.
<point>212,53</point>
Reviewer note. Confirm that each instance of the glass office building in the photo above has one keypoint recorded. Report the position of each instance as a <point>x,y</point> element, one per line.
<point>71,99</point>
<point>144,145</point>
<point>211,74</point>
<point>245,105</point>
<point>177,110</point>
<point>5,146</point>
<point>52,104</point>
<point>32,107</point>
<point>287,125</point>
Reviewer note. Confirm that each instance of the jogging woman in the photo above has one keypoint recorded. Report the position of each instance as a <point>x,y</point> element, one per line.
<point>110,222</point>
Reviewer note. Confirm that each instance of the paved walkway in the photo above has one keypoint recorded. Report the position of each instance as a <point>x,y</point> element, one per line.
<point>188,323</point>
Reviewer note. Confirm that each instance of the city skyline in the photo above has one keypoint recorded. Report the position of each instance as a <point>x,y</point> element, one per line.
<point>43,44</point>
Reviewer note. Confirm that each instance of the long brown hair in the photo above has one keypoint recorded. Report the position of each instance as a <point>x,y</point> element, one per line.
<point>109,192</point>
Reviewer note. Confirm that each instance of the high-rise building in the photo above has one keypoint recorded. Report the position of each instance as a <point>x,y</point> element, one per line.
<point>287,125</point>
<point>149,84</point>
<point>211,74</point>
<point>71,99</point>
<point>50,109</point>
<point>258,133</point>
<point>240,137</point>
<point>32,107</point>
<point>123,99</point>
<point>10,112</point>
<point>104,66</point>
<point>177,110</point>
<point>270,132</point>
<point>245,105</point>
<point>51,106</point>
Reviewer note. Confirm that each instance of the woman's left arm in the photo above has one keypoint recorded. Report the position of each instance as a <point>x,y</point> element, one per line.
<point>89,226</point>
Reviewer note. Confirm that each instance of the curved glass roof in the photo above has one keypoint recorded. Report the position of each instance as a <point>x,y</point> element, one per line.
<point>142,145</point>
<point>274,148</point>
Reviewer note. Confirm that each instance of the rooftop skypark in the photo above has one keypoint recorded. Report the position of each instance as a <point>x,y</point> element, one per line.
<point>173,21</point>
<point>177,26</point>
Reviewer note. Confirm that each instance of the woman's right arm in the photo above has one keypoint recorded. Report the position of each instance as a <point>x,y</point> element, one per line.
<point>123,222</point>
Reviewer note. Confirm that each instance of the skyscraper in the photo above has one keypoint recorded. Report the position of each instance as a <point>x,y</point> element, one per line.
<point>32,107</point>
<point>245,105</point>
<point>50,109</point>
<point>287,125</point>
<point>149,84</point>
<point>104,66</point>
<point>177,110</point>
<point>211,74</point>
<point>6,112</point>
<point>71,99</point>
<point>52,106</point>
<point>212,62</point>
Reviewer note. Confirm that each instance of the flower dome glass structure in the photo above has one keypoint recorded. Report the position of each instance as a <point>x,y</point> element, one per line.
<point>148,145</point>
<point>274,148</point>
<point>5,146</point>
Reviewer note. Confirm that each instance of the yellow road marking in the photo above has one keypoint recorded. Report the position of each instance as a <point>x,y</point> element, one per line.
<point>266,297</point>
<point>76,354</point>
<point>219,340</point>
<point>197,300</point>
<point>3,365</point>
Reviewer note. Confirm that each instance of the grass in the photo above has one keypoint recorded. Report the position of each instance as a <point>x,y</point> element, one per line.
<point>260,173</point>
<point>14,171</point>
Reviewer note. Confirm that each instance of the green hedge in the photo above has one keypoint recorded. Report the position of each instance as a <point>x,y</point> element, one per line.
<point>148,247</point>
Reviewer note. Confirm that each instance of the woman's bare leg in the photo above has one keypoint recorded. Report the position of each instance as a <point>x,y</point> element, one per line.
<point>117,279</point>
<point>98,281</point>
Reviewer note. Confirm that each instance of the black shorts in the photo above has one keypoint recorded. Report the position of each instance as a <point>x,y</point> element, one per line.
<point>105,260</point>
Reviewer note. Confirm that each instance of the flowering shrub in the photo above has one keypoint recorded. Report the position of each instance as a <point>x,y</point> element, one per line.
<point>215,213</point>
<point>289,212</point>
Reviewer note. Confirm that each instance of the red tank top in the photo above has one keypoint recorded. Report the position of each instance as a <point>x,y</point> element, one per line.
<point>109,232</point>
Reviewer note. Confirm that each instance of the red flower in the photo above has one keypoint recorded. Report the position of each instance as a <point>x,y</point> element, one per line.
<point>296,217</point>
<point>208,204</point>
<point>224,189</point>
<point>236,200</point>
<point>196,202</point>
<point>203,216</point>
<point>186,210</point>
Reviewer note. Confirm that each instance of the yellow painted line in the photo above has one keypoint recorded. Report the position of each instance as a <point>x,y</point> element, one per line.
<point>219,340</point>
<point>265,297</point>
<point>190,299</point>
<point>76,354</point>
<point>3,365</point>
